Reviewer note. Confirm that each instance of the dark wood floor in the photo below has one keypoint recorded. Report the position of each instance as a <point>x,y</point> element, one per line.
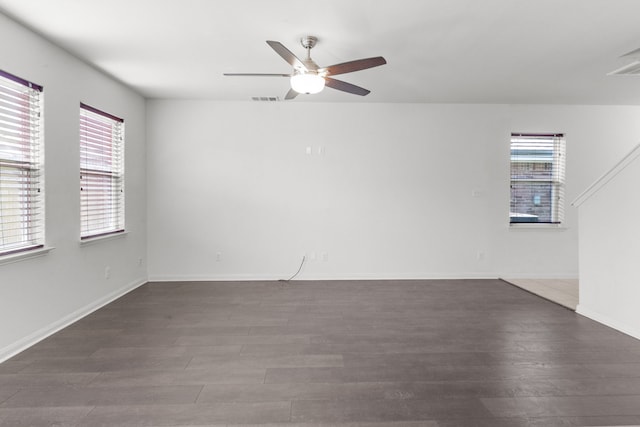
<point>353,354</point>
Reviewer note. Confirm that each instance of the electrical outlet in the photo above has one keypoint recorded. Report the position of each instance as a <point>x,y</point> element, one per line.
<point>218,256</point>
<point>139,262</point>
<point>325,256</point>
<point>107,272</point>
<point>480,256</point>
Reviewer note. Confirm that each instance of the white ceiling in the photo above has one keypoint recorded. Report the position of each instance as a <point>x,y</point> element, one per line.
<point>462,51</point>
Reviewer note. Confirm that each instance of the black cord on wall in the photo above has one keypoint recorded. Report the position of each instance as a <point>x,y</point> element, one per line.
<point>297,272</point>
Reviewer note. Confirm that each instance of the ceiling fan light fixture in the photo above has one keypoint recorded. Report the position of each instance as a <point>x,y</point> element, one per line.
<point>308,83</point>
<point>307,77</point>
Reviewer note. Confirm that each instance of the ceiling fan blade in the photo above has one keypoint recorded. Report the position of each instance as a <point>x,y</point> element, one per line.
<point>287,55</point>
<point>256,74</point>
<point>291,94</point>
<point>345,87</point>
<point>357,65</point>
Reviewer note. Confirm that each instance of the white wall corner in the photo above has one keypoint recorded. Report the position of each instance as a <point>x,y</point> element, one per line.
<point>22,344</point>
<point>607,321</point>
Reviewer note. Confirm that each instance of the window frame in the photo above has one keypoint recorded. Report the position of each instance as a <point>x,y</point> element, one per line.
<point>21,166</point>
<point>552,145</point>
<point>102,182</point>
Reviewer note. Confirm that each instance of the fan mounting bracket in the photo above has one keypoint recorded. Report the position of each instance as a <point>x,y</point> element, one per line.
<point>308,42</point>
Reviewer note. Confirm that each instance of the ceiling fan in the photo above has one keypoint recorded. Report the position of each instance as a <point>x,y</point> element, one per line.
<point>308,78</point>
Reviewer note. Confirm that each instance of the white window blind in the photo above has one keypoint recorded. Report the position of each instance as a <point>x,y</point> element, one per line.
<point>101,173</point>
<point>537,178</point>
<point>21,168</point>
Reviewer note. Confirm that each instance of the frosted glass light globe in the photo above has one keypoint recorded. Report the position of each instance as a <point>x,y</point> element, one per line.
<point>307,83</point>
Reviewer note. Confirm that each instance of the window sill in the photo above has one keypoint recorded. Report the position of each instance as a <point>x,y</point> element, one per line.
<point>94,240</point>
<point>538,226</point>
<point>21,256</point>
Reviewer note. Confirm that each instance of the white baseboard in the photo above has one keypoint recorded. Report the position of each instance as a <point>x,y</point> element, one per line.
<point>26,342</point>
<point>302,278</point>
<point>607,321</point>
<point>215,278</point>
<point>561,276</point>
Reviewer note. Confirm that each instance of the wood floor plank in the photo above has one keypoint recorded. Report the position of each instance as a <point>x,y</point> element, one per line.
<point>191,340</point>
<point>225,374</point>
<point>386,410</point>
<point>426,373</point>
<point>103,396</point>
<point>264,361</point>
<point>348,424</point>
<point>22,380</point>
<point>610,421</point>
<point>76,364</point>
<point>13,366</point>
<point>172,415</point>
<point>568,406</point>
<point>43,416</point>
<point>375,390</point>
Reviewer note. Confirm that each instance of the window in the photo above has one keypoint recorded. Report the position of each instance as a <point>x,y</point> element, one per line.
<point>101,173</point>
<point>537,178</point>
<point>21,168</point>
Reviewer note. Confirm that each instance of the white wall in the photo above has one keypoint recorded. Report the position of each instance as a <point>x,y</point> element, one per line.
<point>401,191</point>
<point>41,294</point>
<point>610,250</point>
